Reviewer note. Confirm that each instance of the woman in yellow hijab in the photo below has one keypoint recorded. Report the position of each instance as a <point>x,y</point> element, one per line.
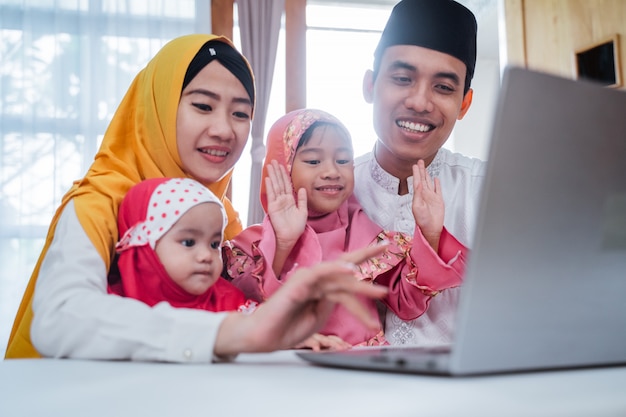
<point>187,114</point>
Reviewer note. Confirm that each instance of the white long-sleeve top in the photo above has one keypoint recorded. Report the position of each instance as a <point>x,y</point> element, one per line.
<point>75,317</point>
<point>461,181</point>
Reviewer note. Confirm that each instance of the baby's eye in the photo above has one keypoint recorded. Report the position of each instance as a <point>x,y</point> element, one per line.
<point>188,242</point>
<point>312,161</point>
<point>216,245</point>
<point>343,161</point>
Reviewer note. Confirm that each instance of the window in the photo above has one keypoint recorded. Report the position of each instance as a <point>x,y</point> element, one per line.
<point>64,67</point>
<point>334,76</point>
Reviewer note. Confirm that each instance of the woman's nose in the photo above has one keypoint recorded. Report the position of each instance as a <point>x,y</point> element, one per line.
<point>220,126</point>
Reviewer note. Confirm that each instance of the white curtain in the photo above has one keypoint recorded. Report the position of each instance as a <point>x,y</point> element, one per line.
<point>64,67</point>
<point>259,26</point>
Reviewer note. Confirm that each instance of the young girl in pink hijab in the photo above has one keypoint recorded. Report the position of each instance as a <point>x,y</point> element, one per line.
<point>171,247</point>
<point>310,151</point>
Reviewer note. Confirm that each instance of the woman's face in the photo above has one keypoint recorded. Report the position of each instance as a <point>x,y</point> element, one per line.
<point>213,123</point>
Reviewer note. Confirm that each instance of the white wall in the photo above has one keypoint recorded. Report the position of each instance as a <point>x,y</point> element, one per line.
<point>471,134</point>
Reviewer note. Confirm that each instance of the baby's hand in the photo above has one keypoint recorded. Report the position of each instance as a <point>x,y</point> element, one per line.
<point>319,342</point>
<point>428,206</point>
<point>288,218</point>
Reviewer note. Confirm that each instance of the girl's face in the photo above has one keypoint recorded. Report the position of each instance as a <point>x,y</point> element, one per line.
<point>212,123</point>
<point>191,251</point>
<point>324,167</point>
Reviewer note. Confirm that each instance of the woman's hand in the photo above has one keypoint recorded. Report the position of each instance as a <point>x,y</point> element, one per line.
<point>288,218</point>
<point>302,306</point>
<point>428,206</point>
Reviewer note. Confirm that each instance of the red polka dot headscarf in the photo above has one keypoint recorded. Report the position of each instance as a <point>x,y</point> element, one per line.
<point>153,206</point>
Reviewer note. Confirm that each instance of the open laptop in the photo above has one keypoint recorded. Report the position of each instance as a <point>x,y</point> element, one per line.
<point>545,285</point>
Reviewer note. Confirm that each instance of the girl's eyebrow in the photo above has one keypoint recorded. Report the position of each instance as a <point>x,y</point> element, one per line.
<point>310,150</point>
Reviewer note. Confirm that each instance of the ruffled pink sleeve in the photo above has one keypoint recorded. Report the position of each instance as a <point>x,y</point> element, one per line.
<point>414,273</point>
<point>243,263</point>
<point>248,259</point>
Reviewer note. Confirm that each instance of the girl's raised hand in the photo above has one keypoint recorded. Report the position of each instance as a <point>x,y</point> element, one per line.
<point>428,206</point>
<point>288,217</point>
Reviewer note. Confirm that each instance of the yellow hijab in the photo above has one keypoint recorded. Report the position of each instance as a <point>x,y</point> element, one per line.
<point>139,143</point>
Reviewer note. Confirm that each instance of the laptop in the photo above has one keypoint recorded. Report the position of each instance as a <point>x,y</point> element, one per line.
<point>545,285</point>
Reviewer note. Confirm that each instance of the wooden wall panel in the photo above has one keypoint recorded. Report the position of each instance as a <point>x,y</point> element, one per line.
<point>548,36</point>
<point>553,30</point>
<point>222,19</point>
<point>512,38</point>
<point>295,54</point>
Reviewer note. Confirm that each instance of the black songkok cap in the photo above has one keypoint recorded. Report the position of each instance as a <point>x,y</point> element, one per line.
<point>229,57</point>
<point>443,25</point>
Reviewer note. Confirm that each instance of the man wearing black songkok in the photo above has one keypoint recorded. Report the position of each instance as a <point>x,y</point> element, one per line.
<point>419,87</point>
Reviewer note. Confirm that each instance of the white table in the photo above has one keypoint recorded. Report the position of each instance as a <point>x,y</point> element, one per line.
<point>280,384</point>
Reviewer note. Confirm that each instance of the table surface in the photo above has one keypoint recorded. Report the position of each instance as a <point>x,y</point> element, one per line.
<point>281,384</point>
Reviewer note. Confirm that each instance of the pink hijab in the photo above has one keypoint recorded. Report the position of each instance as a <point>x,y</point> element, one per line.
<point>147,212</point>
<point>347,228</point>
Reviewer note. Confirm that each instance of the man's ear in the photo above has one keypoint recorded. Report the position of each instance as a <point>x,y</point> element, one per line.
<point>465,105</point>
<point>368,86</point>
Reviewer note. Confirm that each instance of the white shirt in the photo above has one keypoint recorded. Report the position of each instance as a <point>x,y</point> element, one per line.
<point>74,316</point>
<point>461,181</point>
